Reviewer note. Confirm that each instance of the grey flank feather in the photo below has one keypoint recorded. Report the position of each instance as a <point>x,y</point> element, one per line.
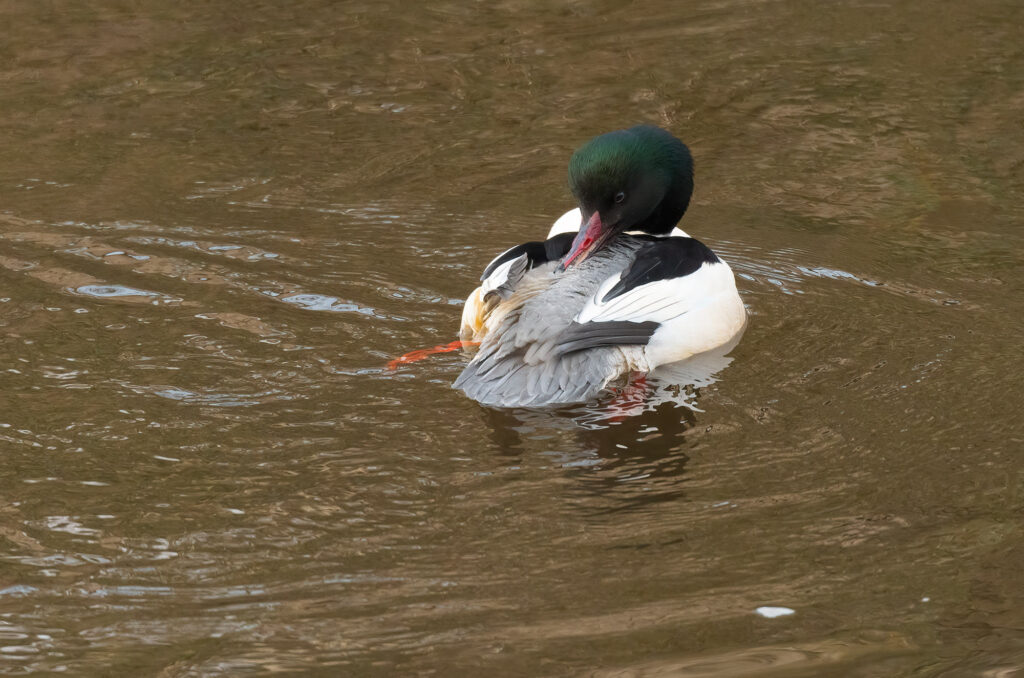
<point>537,355</point>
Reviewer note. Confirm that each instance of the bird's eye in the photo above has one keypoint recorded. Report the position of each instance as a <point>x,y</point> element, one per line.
<point>619,198</point>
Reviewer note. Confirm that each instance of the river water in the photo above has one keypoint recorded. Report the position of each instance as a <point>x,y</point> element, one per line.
<point>218,223</point>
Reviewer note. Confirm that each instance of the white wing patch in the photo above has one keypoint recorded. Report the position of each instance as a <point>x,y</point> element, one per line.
<point>695,313</point>
<point>661,300</point>
<point>498,277</point>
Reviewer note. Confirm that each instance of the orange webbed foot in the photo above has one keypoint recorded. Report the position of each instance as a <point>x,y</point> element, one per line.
<point>421,353</point>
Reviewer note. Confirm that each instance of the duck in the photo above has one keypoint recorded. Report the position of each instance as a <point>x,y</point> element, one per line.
<point>616,289</point>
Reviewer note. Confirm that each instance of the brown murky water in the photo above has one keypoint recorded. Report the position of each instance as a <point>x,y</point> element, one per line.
<point>218,224</point>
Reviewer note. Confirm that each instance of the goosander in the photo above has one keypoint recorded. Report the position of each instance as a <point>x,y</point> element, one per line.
<point>615,289</point>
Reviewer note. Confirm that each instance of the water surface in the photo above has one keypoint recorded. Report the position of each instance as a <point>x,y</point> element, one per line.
<point>217,227</point>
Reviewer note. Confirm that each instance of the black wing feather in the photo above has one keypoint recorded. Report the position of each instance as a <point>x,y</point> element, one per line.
<point>537,252</point>
<point>663,259</point>
<point>580,336</point>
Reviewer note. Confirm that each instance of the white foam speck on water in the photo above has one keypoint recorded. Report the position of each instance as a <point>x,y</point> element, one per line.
<point>770,612</point>
<point>113,291</point>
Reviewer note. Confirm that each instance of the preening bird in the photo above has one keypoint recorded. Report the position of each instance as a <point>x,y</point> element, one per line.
<point>615,289</point>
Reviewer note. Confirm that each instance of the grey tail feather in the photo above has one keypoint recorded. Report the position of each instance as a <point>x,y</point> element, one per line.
<point>512,383</point>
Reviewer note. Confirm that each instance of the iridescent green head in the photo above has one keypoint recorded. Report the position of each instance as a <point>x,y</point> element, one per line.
<point>634,179</point>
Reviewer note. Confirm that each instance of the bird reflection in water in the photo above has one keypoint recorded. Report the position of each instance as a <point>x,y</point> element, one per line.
<point>628,445</point>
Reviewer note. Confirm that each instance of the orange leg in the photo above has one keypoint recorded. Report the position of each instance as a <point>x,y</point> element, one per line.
<point>421,353</point>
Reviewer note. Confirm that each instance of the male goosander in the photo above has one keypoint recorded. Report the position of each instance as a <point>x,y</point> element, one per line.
<point>616,288</point>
